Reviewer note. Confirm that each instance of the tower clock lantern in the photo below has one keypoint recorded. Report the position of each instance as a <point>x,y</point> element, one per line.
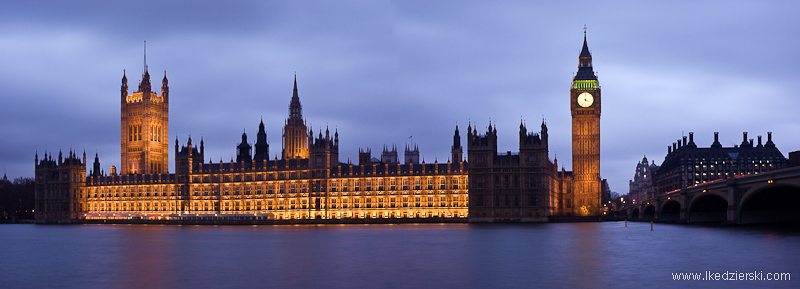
<point>585,103</point>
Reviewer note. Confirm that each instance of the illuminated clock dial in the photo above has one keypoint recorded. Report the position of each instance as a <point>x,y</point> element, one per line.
<point>585,99</point>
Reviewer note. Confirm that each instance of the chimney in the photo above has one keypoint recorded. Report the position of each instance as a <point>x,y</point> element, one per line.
<point>759,141</point>
<point>684,140</point>
<point>691,138</point>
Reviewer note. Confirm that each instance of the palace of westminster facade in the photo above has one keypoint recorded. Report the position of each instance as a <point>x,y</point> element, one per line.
<point>309,182</point>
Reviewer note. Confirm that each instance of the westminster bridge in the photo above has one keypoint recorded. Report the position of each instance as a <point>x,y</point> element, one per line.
<point>767,197</point>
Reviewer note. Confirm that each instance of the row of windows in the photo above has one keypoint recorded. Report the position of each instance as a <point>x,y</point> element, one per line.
<point>334,203</point>
<point>132,207</point>
<point>356,185</point>
<point>250,177</point>
<point>163,191</point>
<point>505,182</point>
<point>724,160</point>
<point>507,200</point>
<point>135,133</point>
<point>117,195</point>
<point>131,189</point>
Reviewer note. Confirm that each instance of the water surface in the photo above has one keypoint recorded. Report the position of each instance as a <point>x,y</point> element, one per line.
<point>573,255</point>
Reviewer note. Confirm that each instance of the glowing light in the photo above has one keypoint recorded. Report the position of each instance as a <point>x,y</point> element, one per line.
<point>585,84</point>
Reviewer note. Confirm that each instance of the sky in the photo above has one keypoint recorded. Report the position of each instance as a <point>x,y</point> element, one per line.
<point>399,72</point>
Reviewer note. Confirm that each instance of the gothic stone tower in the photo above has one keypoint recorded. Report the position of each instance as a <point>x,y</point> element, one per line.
<point>585,106</point>
<point>144,127</point>
<point>295,137</point>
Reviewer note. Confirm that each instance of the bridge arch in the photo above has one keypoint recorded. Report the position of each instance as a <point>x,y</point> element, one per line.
<point>670,211</point>
<point>776,203</point>
<point>708,208</point>
<point>649,213</point>
<point>635,214</point>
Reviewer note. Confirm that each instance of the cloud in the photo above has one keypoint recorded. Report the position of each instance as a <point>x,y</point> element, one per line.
<point>382,71</point>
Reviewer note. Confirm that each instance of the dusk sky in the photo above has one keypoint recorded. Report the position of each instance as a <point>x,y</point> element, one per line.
<point>382,71</point>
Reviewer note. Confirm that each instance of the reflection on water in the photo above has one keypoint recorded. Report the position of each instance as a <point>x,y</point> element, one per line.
<point>582,255</point>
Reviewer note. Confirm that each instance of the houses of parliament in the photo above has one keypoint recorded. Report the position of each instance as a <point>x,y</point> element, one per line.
<point>309,182</point>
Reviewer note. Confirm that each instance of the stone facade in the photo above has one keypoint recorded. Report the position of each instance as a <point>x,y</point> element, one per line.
<point>642,187</point>
<point>687,165</point>
<point>309,181</point>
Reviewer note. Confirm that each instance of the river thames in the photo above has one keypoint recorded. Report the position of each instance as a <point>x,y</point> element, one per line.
<point>567,255</point>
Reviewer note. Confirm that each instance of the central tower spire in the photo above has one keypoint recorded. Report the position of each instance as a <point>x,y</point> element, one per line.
<point>295,137</point>
<point>295,109</point>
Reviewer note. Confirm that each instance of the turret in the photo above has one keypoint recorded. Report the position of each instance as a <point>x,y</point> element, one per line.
<point>124,87</point>
<point>144,86</point>
<point>165,88</point>
<point>456,150</point>
<point>364,156</point>
<point>543,133</point>
<point>481,149</point>
<point>324,151</point>
<point>243,150</point>
<point>262,148</point>
<point>96,166</point>
<point>411,155</point>
<point>389,156</point>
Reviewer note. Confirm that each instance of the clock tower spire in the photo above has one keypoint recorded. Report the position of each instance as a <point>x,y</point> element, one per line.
<point>585,108</point>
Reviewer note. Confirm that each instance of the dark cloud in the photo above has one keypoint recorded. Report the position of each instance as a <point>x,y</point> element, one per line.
<point>381,71</point>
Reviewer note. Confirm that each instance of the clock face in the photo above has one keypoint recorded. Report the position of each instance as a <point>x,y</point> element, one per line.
<point>585,99</point>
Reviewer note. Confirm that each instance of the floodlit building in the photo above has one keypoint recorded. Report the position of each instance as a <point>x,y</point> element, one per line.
<point>687,165</point>
<point>309,181</point>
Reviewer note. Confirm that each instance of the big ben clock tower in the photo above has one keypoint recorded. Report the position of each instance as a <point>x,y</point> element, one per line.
<point>585,107</point>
